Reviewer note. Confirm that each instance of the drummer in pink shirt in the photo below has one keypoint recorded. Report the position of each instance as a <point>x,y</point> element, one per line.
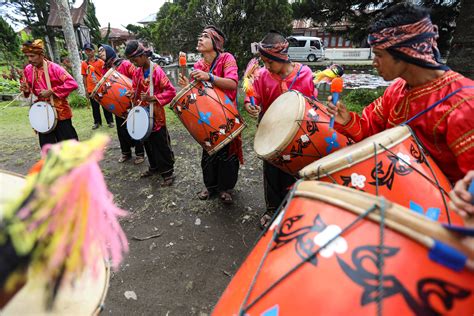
<point>279,75</point>
<point>62,84</point>
<point>220,171</point>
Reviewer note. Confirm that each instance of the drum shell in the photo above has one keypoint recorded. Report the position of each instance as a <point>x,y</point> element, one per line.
<point>208,114</point>
<point>307,141</point>
<point>355,167</point>
<point>110,93</point>
<point>343,282</point>
<point>43,111</point>
<point>139,126</point>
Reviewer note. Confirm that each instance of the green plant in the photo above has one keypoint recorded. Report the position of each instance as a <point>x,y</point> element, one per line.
<point>357,99</point>
<point>8,86</point>
<point>77,101</point>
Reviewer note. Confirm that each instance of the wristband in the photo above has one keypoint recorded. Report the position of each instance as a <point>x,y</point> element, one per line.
<point>211,78</point>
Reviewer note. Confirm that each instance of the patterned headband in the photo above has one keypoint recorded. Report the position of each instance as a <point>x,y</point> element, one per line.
<point>216,38</point>
<point>277,52</point>
<point>35,47</point>
<point>417,41</point>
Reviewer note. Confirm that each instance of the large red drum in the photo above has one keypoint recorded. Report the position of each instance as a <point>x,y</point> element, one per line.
<point>208,114</point>
<point>294,132</point>
<point>327,253</point>
<point>110,92</point>
<point>392,164</point>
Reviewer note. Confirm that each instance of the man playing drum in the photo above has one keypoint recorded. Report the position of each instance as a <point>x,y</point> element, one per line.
<point>279,76</point>
<point>158,144</point>
<point>404,44</point>
<point>91,70</point>
<point>126,68</point>
<point>62,84</point>
<point>219,171</point>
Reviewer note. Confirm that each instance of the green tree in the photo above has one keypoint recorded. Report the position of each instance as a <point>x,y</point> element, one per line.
<point>180,23</point>
<point>460,55</point>
<point>9,44</point>
<point>360,13</point>
<point>92,23</point>
<point>34,14</point>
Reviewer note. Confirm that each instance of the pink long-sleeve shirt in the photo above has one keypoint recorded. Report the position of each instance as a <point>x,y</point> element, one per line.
<point>62,84</point>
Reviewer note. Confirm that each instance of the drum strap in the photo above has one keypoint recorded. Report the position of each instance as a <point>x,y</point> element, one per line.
<point>48,81</point>
<point>435,104</point>
<point>151,91</point>
<point>296,77</point>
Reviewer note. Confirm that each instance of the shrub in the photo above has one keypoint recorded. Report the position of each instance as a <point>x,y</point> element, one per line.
<point>8,86</point>
<point>357,99</point>
<point>77,101</point>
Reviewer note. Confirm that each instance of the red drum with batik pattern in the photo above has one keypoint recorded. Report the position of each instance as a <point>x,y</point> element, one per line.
<point>392,164</point>
<point>110,92</point>
<point>208,114</point>
<point>336,251</point>
<point>294,132</point>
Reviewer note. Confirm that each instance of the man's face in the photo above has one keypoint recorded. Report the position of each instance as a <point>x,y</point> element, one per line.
<point>102,54</point>
<point>204,43</point>
<point>271,65</point>
<point>35,59</point>
<point>138,61</point>
<point>387,66</point>
<point>89,52</point>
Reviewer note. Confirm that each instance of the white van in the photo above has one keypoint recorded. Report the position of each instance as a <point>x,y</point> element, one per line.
<point>305,48</point>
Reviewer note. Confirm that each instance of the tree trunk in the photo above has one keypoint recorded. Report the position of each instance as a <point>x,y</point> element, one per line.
<point>462,47</point>
<point>70,38</point>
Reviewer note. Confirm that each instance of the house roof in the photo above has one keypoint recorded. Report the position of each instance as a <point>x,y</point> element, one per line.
<point>149,19</point>
<point>77,15</point>
<point>116,33</point>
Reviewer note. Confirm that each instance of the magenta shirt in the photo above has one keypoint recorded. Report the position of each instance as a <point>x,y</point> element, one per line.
<point>268,86</point>
<point>225,67</point>
<point>62,84</point>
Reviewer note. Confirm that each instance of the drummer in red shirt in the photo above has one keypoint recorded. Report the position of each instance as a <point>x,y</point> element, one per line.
<point>91,70</point>
<point>220,171</point>
<point>403,40</point>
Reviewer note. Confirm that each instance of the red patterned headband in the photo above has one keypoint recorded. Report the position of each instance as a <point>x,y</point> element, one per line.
<point>277,52</point>
<point>216,38</point>
<point>417,41</point>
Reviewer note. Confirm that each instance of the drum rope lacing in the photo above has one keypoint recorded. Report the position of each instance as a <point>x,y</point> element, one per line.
<point>245,307</point>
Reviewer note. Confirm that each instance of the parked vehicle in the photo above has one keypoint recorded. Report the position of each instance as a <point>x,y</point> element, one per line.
<point>305,48</point>
<point>160,60</point>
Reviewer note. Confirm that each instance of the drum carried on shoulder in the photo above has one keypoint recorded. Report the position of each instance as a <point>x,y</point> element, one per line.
<point>392,164</point>
<point>294,132</point>
<point>140,122</point>
<point>333,250</point>
<point>43,117</point>
<point>208,114</point>
<point>110,92</point>
<point>85,296</point>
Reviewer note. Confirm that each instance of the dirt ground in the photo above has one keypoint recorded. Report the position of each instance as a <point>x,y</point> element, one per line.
<point>201,244</point>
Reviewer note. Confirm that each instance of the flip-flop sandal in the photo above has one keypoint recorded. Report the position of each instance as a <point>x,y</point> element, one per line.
<point>203,195</point>
<point>146,174</point>
<point>168,181</point>
<point>138,160</point>
<point>124,158</point>
<point>226,198</point>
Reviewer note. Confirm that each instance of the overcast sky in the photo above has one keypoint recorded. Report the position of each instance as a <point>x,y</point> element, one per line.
<point>123,12</point>
<point>118,12</point>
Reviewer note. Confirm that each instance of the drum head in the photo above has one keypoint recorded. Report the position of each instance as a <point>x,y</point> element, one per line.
<point>42,117</point>
<point>84,298</point>
<point>138,123</point>
<point>279,124</point>
<point>350,155</point>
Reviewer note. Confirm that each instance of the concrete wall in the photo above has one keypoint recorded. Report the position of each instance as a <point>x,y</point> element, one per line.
<point>348,53</point>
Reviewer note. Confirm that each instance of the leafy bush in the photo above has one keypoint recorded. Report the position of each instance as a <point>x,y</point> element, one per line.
<point>357,99</point>
<point>8,86</point>
<point>77,101</point>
